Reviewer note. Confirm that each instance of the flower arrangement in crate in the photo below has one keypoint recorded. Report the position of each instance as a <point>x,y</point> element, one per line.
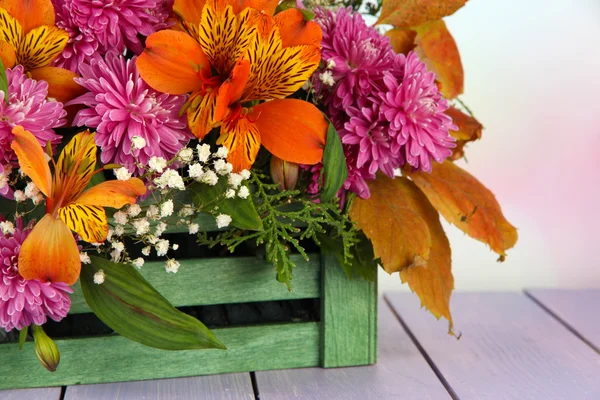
<point>286,123</point>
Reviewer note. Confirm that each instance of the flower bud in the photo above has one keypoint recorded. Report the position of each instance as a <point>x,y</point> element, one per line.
<point>284,173</point>
<point>45,349</point>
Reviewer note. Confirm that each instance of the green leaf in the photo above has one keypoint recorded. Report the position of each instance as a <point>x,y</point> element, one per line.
<point>361,264</point>
<point>3,81</point>
<point>212,199</point>
<point>127,303</point>
<point>22,332</point>
<point>334,165</point>
<point>285,4</point>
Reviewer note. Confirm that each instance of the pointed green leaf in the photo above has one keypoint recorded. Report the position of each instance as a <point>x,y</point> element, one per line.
<point>212,199</point>
<point>22,335</point>
<point>3,81</point>
<point>334,165</point>
<point>127,303</point>
<point>285,4</point>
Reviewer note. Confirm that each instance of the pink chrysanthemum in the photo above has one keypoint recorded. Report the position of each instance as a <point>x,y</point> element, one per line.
<point>82,43</point>
<point>116,24</point>
<point>27,106</point>
<point>121,106</point>
<point>22,302</point>
<point>415,107</point>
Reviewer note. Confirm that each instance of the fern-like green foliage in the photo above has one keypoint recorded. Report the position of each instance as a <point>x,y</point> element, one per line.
<point>288,218</point>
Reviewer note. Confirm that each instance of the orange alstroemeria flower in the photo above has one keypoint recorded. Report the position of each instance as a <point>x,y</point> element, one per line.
<point>29,37</point>
<point>231,55</point>
<point>50,251</point>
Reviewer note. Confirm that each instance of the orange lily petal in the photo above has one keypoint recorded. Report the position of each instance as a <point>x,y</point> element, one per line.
<point>50,253</point>
<point>11,30</point>
<point>40,46</point>
<point>173,63</point>
<point>231,90</point>
<point>88,221</point>
<point>201,113</point>
<point>61,83</point>
<point>295,30</point>
<point>32,159</point>
<point>8,55</point>
<point>30,13</point>
<point>113,194</point>
<point>267,6</point>
<point>242,139</point>
<point>189,11</point>
<point>293,130</point>
<point>277,72</point>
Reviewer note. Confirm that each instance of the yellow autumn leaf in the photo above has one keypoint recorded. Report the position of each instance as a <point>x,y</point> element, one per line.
<point>466,203</point>
<point>405,13</point>
<point>392,220</point>
<point>469,129</point>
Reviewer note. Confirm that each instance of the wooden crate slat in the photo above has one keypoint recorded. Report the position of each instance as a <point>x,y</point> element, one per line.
<point>401,373</point>
<point>348,318</point>
<point>576,308</point>
<point>117,359</point>
<point>31,394</point>
<point>510,349</point>
<point>226,387</point>
<point>204,281</point>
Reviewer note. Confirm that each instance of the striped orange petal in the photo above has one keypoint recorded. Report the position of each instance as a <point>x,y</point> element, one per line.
<point>50,253</point>
<point>231,90</point>
<point>291,129</point>
<point>242,138</point>
<point>11,30</point>
<point>89,222</point>
<point>295,30</point>
<point>113,194</point>
<point>32,159</point>
<point>201,112</point>
<point>30,13</point>
<point>61,84</point>
<point>40,46</point>
<point>7,54</point>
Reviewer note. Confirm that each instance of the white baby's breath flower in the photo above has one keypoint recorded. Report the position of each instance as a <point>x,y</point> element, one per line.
<point>210,178</point>
<point>327,78</point>
<point>222,152</point>
<point>186,210</point>
<point>230,193</point>
<point>142,226</point>
<point>118,246</point>
<point>161,227</point>
<point>203,152</point>
<point>153,212</point>
<point>138,262</point>
<point>120,217</point>
<point>31,191</point>
<point>235,180</point>
<point>222,167</point>
<point>134,210</point>
<point>244,192</point>
<point>119,230</point>
<point>110,234</point>
<point>20,196</point>
<point>223,220</point>
<point>38,199</point>
<point>152,239</point>
<point>193,228</point>
<point>186,155</point>
<point>161,247</point>
<point>245,174</point>
<point>157,164</point>
<point>195,171</point>
<point>99,277</point>
<point>146,250</point>
<point>138,142</point>
<point>122,173</point>
<point>8,228</point>
<point>166,208</point>
<point>115,256</point>
<point>84,258</point>
<point>330,64</point>
<point>175,246</point>
<point>172,266</point>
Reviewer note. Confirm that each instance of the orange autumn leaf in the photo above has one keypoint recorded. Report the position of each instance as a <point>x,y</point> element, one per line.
<point>405,13</point>
<point>466,203</point>
<point>432,282</point>
<point>392,219</point>
<point>469,129</point>
<point>437,49</point>
<point>402,39</point>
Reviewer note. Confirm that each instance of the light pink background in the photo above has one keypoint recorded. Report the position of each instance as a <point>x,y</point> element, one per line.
<point>532,77</point>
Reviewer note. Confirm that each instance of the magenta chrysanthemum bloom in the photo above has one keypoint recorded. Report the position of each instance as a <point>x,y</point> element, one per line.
<point>82,43</point>
<point>22,302</point>
<point>121,106</point>
<point>27,106</point>
<point>415,107</point>
<point>116,24</point>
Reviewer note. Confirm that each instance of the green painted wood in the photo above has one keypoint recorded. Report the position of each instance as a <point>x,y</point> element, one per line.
<point>117,359</point>
<point>224,280</point>
<point>348,318</point>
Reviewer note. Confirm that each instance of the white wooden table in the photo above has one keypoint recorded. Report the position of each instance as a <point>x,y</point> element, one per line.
<point>541,344</point>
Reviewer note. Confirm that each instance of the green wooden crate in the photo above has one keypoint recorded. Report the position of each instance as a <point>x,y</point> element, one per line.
<point>345,336</point>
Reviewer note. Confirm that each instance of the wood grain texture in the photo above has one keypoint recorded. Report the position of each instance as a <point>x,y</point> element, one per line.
<point>116,359</point>
<point>401,372</point>
<point>31,394</point>
<point>348,318</point>
<point>510,349</point>
<point>578,309</point>
<point>239,279</point>
<point>225,387</point>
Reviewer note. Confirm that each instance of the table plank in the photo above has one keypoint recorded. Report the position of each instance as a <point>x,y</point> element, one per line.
<point>510,349</point>
<point>31,394</point>
<point>577,309</point>
<point>226,387</point>
<point>401,372</point>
